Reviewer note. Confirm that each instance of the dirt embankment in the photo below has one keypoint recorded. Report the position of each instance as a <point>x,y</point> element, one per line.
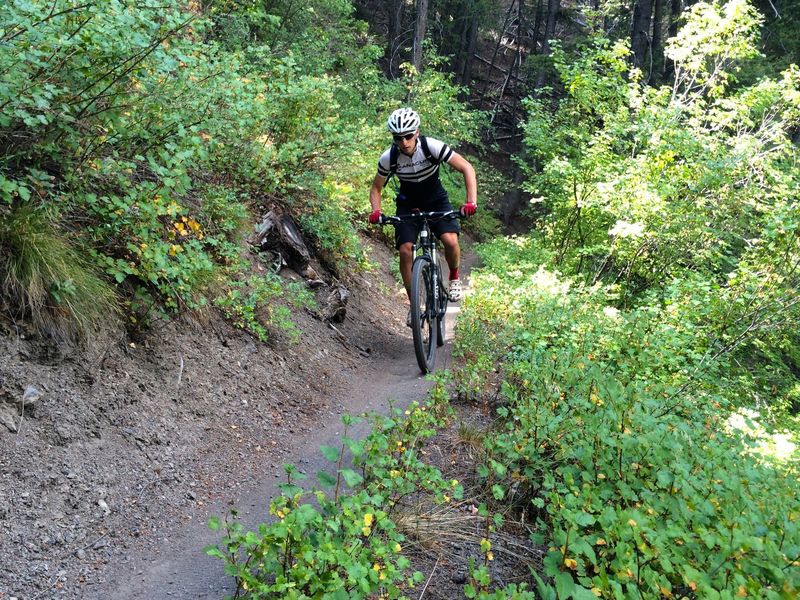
<point>132,445</point>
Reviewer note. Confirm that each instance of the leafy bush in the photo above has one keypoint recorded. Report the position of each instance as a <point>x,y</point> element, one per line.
<point>263,302</point>
<point>616,426</point>
<point>643,187</point>
<point>160,142</point>
<point>344,545</point>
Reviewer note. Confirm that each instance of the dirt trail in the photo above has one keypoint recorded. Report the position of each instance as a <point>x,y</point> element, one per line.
<point>107,487</point>
<point>176,568</point>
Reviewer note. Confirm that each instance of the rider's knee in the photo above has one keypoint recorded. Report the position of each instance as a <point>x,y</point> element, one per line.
<point>406,251</point>
<point>450,240</point>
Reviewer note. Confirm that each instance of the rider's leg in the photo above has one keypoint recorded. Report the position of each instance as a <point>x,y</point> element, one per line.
<point>452,252</point>
<point>406,260</point>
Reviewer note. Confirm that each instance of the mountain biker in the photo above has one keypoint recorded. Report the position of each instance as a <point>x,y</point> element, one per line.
<point>415,160</point>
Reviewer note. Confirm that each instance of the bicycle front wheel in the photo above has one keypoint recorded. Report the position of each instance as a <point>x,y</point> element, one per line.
<point>424,314</point>
<point>440,323</point>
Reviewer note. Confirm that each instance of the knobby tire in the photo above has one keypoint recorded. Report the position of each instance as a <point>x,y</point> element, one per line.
<point>424,316</point>
<point>440,323</point>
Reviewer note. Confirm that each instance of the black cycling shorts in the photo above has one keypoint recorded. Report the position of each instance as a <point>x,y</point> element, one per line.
<point>407,232</point>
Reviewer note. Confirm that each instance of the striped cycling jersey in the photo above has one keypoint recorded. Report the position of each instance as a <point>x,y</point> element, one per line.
<point>417,175</point>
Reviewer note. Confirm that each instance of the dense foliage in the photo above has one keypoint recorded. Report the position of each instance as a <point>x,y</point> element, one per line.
<point>692,186</point>
<point>617,431</point>
<point>651,335</point>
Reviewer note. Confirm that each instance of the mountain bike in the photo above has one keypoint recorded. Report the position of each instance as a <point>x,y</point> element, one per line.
<point>428,292</point>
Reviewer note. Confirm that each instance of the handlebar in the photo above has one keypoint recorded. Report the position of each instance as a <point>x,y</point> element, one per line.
<point>420,216</point>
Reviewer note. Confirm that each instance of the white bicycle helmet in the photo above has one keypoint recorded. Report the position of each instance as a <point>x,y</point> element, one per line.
<point>403,120</point>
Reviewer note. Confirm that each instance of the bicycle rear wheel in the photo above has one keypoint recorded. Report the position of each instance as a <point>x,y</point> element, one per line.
<point>424,315</point>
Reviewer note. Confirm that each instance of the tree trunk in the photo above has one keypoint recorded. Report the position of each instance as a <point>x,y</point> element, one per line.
<point>537,25</point>
<point>676,8</point>
<point>395,26</point>
<point>491,68</point>
<point>553,8</point>
<point>455,42</point>
<point>419,33</point>
<point>471,44</point>
<point>640,33</point>
<point>658,42</point>
<point>517,59</point>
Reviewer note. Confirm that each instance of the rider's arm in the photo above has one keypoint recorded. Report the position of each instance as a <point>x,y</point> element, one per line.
<point>461,164</point>
<point>375,192</point>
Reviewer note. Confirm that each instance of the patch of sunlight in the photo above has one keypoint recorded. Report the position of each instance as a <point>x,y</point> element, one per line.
<point>623,229</point>
<point>548,282</point>
<point>776,445</point>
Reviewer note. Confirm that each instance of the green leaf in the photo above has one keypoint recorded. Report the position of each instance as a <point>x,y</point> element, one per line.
<point>564,586</point>
<point>351,478</point>
<point>581,593</point>
<point>330,453</point>
<point>326,480</point>
<point>498,492</point>
<point>214,552</point>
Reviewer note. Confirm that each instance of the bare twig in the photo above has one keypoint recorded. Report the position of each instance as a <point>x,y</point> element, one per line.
<point>429,578</point>
<point>21,415</point>
<point>180,372</point>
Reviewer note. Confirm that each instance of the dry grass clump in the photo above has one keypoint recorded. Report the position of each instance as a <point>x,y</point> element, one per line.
<point>432,526</point>
<point>45,280</point>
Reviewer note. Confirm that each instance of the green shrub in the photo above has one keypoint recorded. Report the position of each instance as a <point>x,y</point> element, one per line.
<point>344,541</point>
<point>617,429</point>
<point>262,303</point>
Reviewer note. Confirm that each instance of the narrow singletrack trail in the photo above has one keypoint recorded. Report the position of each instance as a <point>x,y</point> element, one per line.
<point>174,565</point>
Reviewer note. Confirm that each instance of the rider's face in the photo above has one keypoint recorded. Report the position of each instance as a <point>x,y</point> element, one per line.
<point>407,143</point>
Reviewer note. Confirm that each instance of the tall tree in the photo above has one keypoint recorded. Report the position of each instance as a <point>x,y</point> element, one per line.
<point>395,27</point>
<point>675,10</point>
<point>553,8</point>
<point>640,32</point>
<point>419,33</point>
<point>658,41</point>
<point>470,43</point>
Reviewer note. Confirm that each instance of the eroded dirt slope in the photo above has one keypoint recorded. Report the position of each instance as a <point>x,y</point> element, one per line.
<point>111,475</point>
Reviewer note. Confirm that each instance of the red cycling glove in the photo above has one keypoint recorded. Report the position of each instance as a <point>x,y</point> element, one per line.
<point>469,209</point>
<point>375,217</point>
